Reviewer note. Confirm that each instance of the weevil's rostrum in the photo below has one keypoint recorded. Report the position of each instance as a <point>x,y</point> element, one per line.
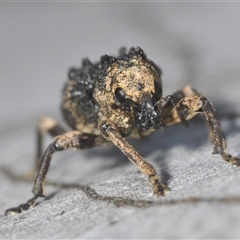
<point>116,98</point>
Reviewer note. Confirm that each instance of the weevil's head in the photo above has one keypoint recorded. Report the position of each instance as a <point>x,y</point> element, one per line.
<point>133,84</point>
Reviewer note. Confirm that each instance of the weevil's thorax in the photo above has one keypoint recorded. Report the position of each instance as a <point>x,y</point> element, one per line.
<point>124,87</point>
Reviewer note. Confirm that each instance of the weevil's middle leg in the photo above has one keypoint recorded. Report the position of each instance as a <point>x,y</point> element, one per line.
<point>110,131</point>
<point>74,140</point>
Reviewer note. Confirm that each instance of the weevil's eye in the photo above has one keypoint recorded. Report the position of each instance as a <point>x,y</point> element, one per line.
<point>120,95</point>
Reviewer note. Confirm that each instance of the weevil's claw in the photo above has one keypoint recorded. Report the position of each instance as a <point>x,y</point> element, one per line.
<point>13,211</point>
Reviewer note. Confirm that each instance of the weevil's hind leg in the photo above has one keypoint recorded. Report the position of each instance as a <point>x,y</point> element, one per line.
<point>190,107</point>
<point>45,125</point>
<point>74,140</point>
<point>110,131</point>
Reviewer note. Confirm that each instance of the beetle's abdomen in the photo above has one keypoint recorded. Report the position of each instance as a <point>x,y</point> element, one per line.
<point>79,108</point>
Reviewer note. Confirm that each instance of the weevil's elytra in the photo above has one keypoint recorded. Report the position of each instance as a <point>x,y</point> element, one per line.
<point>120,97</point>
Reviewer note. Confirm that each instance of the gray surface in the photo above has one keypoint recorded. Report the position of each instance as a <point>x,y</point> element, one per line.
<point>196,43</point>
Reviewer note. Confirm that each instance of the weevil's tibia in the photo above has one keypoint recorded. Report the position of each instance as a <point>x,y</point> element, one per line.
<point>38,187</point>
<point>46,125</point>
<point>74,140</point>
<point>110,132</point>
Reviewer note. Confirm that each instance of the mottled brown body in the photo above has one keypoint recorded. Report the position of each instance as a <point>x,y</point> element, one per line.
<point>116,98</point>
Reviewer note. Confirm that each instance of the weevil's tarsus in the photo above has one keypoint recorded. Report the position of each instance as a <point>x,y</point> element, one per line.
<point>230,159</point>
<point>22,207</point>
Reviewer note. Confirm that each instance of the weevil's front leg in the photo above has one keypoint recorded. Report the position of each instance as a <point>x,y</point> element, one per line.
<point>46,125</point>
<point>111,133</point>
<point>174,98</point>
<point>74,140</point>
<point>189,107</point>
<point>186,91</point>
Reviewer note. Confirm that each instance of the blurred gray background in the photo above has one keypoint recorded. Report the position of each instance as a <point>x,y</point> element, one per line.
<point>193,43</point>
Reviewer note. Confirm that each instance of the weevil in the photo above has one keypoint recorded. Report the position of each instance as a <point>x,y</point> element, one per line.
<point>115,98</point>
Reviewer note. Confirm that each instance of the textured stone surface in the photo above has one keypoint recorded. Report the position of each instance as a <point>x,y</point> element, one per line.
<point>103,195</point>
